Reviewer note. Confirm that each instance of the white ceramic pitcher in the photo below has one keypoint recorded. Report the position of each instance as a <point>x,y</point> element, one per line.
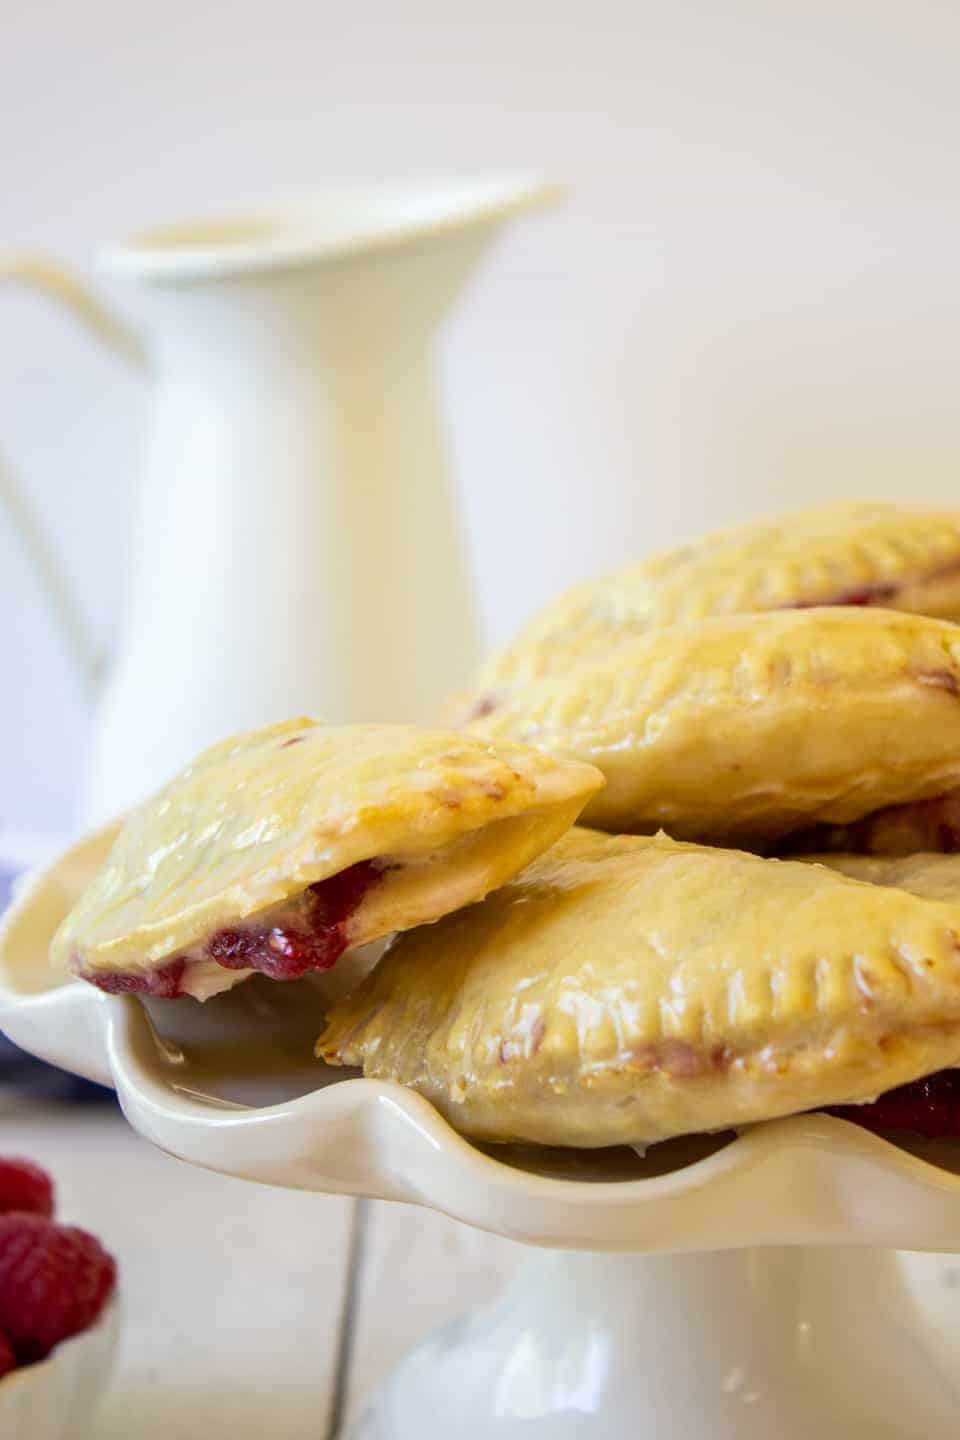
<point>296,544</point>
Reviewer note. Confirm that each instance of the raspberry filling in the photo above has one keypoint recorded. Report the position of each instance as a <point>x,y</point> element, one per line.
<point>308,933</point>
<point>164,982</point>
<point>877,594</point>
<point>880,592</point>
<point>929,1107</point>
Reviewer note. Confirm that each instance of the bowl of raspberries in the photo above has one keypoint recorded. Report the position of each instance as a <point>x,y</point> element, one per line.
<point>58,1312</point>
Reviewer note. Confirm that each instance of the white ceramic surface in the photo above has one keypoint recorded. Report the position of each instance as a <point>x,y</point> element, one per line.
<point>296,515</point>
<point>57,1399</point>
<point>674,1338</point>
<point>773,1344</point>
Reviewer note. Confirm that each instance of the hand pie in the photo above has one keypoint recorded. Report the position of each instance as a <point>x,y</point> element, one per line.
<point>930,1106</point>
<point>918,825</point>
<point>623,990</point>
<point>934,876</point>
<point>851,554</point>
<point>277,850</point>
<point>753,726</point>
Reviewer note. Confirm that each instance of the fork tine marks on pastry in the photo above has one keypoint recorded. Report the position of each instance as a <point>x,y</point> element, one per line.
<point>603,914</point>
<point>749,727</point>
<point>860,554</point>
<point>277,850</point>
<point>779,687</point>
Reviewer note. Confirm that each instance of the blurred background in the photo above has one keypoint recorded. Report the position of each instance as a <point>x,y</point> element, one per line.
<point>749,301</point>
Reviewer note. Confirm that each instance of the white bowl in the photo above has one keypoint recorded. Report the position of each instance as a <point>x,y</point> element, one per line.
<point>56,1398</point>
<point>741,1343</point>
<point>232,1085</point>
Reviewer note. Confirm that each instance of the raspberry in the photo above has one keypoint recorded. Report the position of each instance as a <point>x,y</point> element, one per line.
<point>8,1361</point>
<point>24,1186</point>
<point>54,1282</point>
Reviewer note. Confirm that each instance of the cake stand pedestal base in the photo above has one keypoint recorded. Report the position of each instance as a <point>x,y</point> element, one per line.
<point>766,1344</point>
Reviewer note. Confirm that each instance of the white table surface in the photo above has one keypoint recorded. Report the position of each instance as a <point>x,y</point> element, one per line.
<point>235,1295</point>
<point>251,1312</point>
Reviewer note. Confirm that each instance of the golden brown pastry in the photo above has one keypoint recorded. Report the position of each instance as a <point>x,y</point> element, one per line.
<point>934,876</point>
<point>753,726</point>
<point>861,554</point>
<point>917,825</point>
<point>277,850</point>
<point>623,990</point>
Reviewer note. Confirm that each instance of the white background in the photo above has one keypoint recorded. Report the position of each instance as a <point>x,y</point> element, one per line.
<point>751,300</point>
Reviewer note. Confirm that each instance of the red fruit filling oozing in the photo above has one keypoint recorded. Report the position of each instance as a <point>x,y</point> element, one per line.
<point>286,953</point>
<point>164,982</point>
<point>861,595</point>
<point>881,592</point>
<point>929,1107</point>
<point>313,938</point>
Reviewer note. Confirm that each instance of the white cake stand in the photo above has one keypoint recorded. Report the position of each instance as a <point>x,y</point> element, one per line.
<point>739,1286</point>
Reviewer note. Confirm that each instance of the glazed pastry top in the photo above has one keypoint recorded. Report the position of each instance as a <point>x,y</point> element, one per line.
<point>933,876</point>
<point>751,726</point>
<point>625,989</point>
<point>864,553</point>
<point>908,828</point>
<point>262,816</point>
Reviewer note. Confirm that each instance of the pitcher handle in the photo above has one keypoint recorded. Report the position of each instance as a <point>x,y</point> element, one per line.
<point>78,299</point>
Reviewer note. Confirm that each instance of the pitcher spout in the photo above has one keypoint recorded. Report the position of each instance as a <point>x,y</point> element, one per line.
<point>335,226</point>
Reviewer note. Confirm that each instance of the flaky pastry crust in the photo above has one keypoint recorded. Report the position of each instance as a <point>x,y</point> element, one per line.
<point>861,553</point>
<point>623,990</point>
<point>262,816</point>
<point>749,727</point>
